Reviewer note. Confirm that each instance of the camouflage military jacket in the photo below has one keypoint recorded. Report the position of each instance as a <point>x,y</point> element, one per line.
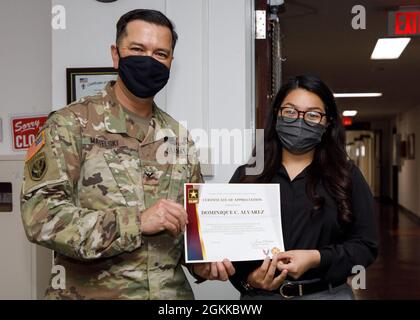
<point>88,177</point>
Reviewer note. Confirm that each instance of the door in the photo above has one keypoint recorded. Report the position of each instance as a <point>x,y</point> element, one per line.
<point>15,265</point>
<point>24,267</point>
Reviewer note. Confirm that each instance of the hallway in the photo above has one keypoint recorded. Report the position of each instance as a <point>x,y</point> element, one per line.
<point>396,272</point>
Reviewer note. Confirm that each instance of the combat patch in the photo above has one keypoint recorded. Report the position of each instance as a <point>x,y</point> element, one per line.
<point>36,146</point>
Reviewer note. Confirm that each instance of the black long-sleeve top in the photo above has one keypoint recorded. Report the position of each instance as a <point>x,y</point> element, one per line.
<point>340,248</point>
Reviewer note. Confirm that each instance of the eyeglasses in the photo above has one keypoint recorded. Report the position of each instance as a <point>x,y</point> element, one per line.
<point>311,118</point>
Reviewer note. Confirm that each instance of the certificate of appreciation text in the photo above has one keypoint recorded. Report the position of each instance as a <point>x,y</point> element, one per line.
<point>240,222</point>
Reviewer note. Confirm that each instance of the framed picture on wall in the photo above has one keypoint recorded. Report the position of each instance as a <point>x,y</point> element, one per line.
<point>411,146</point>
<point>82,82</point>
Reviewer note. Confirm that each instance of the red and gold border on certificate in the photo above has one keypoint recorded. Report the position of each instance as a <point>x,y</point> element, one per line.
<point>195,249</point>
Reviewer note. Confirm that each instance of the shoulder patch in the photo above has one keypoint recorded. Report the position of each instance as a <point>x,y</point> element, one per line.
<point>38,166</point>
<point>36,146</point>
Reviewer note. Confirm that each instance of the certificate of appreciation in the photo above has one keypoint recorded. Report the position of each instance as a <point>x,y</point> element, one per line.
<point>240,222</point>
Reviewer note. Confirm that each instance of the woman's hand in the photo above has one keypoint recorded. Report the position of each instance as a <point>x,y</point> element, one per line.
<point>215,270</point>
<point>297,262</point>
<point>263,277</point>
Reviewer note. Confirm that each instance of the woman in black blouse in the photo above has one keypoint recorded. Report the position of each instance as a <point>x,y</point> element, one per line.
<point>326,205</point>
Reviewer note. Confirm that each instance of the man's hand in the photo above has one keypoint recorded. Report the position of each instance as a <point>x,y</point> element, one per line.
<point>297,262</point>
<point>164,215</point>
<point>263,277</point>
<point>215,270</point>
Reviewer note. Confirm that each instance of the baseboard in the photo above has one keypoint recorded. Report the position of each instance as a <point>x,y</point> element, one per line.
<point>413,216</point>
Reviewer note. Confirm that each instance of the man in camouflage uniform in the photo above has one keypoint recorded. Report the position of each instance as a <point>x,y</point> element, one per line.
<point>103,183</point>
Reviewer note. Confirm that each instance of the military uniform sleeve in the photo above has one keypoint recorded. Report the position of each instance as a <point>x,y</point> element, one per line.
<point>50,212</point>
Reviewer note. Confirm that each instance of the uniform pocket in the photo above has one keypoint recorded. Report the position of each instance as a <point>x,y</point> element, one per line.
<point>163,181</point>
<point>120,171</point>
<point>179,176</point>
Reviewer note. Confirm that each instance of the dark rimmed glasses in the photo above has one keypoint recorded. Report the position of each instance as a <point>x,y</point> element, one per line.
<point>311,118</point>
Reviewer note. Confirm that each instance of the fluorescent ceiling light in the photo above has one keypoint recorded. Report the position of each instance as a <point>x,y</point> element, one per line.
<point>389,48</point>
<point>349,113</point>
<point>358,95</point>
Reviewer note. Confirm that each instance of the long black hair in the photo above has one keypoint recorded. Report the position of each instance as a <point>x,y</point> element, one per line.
<point>330,164</point>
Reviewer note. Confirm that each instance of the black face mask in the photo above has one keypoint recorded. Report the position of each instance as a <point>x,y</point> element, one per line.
<point>298,137</point>
<point>143,76</point>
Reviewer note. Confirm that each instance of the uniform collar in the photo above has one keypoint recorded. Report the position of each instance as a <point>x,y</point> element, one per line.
<point>283,172</point>
<point>116,119</point>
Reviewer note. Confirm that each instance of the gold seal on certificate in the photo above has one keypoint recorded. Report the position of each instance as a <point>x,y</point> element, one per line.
<point>240,222</point>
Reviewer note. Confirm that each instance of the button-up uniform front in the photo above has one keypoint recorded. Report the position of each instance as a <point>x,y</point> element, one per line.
<point>101,171</point>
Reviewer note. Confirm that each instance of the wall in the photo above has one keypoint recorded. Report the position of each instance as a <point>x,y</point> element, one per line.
<point>25,88</point>
<point>211,78</point>
<point>409,174</point>
<point>25,62</point>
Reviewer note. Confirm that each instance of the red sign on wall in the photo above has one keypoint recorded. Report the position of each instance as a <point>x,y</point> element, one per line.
<point>404,23</point>
<point>25,130</point>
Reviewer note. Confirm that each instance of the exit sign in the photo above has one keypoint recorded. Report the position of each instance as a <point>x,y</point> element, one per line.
<point>404,23</point>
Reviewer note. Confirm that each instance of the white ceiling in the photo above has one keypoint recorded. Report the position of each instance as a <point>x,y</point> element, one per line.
<point>319,39</point>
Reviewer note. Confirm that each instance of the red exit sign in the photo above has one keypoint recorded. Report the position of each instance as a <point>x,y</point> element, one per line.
<point>404,23</point>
